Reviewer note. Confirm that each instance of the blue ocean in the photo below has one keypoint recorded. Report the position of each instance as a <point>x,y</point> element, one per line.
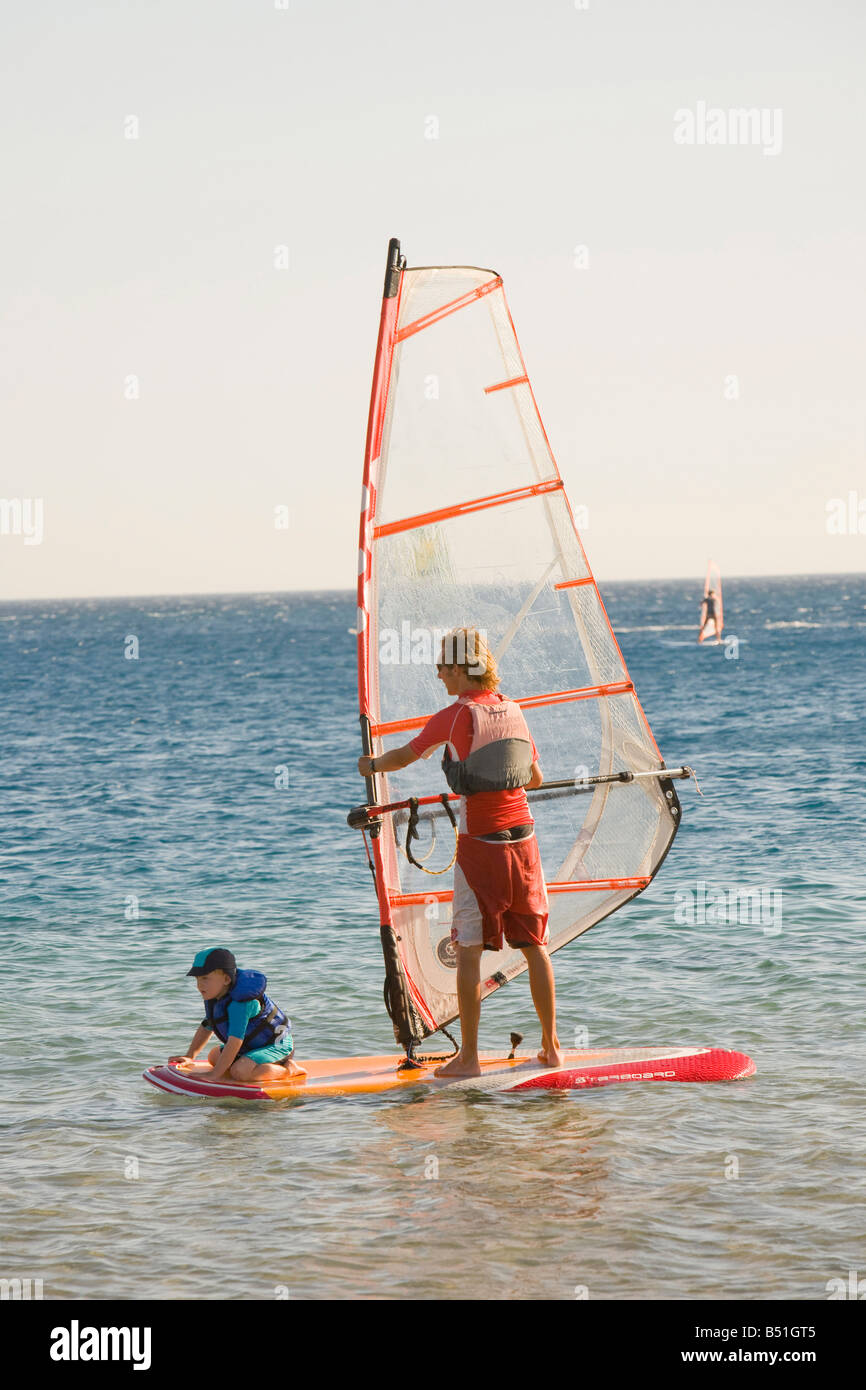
<point>176,775</point>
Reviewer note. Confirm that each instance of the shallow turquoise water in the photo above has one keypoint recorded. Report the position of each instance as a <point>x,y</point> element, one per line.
<point>141,821</point>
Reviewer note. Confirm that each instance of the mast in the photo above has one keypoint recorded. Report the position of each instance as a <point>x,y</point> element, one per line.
<point>409,1028</point>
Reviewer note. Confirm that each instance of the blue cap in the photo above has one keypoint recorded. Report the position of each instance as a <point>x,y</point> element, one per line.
<point>217,958</point>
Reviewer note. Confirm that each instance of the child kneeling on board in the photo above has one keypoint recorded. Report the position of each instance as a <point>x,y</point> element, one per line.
<point>255,1034</point>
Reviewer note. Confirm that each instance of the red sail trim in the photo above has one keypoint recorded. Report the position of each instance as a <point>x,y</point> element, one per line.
<point>503,385</point>
<point>441,895</point>
<point>556,697</point>
<point>589,885</point>
<point>477,504</point>
<point>451,308</point>
<point>375,427</point>
<point>579,885</point>
<point>585,692</point>
<point>417,997</point>
<point>574,583</point>
<point>399,726</point>
<point>384,897</point>
<point>382,371</point>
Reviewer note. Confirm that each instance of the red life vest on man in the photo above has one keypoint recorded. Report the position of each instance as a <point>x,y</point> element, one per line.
<point>457,726</point>
<point>500,758</point>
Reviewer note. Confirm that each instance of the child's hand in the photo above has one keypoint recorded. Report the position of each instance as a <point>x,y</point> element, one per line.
<point>180,1061</point>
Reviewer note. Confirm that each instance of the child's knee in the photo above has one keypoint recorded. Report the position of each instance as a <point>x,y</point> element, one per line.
<point>214,1055</point>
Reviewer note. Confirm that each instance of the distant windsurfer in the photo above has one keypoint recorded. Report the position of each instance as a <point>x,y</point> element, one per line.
<point>499,890</point>
<point>710,614</point>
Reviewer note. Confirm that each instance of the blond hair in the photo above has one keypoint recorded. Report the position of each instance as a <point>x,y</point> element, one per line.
<point>466,648</point>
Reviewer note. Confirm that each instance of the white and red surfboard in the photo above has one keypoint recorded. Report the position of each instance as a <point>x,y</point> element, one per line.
<point>340,1076</point>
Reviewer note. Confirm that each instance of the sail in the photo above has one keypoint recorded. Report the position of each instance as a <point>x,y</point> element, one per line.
<point>465,522</point>
<point>714,581</point>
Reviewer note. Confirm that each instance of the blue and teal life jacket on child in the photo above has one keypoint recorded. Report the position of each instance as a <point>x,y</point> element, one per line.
<point>269,1024</point>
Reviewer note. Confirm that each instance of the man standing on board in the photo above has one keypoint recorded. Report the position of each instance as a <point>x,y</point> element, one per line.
<point>499,888</point>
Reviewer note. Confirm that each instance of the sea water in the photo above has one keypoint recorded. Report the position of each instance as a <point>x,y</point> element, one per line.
<point>176,774</point>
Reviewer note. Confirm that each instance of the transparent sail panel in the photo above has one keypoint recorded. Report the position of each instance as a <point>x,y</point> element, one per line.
<point>496,570</point>
<point>607,832</point>
<point>431,963</point>
<point>454,431</point>
<point>461,428</point>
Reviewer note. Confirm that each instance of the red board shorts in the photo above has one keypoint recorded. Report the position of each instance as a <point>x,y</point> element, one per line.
<point>499,892</point>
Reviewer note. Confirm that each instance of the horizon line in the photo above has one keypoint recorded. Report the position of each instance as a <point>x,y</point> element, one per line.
<point>350,592</point>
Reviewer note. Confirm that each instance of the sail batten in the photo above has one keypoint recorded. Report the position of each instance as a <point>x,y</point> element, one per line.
<point>465,522</point>
<point>557,697</point>
<point>476,504</point>
<point>427,320</point>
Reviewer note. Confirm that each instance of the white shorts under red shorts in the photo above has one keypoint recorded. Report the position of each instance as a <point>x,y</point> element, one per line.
<point>499,893</point>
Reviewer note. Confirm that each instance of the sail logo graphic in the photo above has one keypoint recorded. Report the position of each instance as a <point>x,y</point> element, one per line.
<point>77,1343</point>
<point>711,125</point>
<point>447,952</point>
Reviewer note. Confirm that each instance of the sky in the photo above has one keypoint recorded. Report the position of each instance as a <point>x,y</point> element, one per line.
<point>198,197</point>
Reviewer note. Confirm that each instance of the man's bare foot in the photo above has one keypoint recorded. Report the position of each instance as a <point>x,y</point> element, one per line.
<point>550,1057</point>
<point>457,1067</point>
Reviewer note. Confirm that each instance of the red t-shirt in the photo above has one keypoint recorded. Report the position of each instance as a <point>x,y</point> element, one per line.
<point>485,811</point>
